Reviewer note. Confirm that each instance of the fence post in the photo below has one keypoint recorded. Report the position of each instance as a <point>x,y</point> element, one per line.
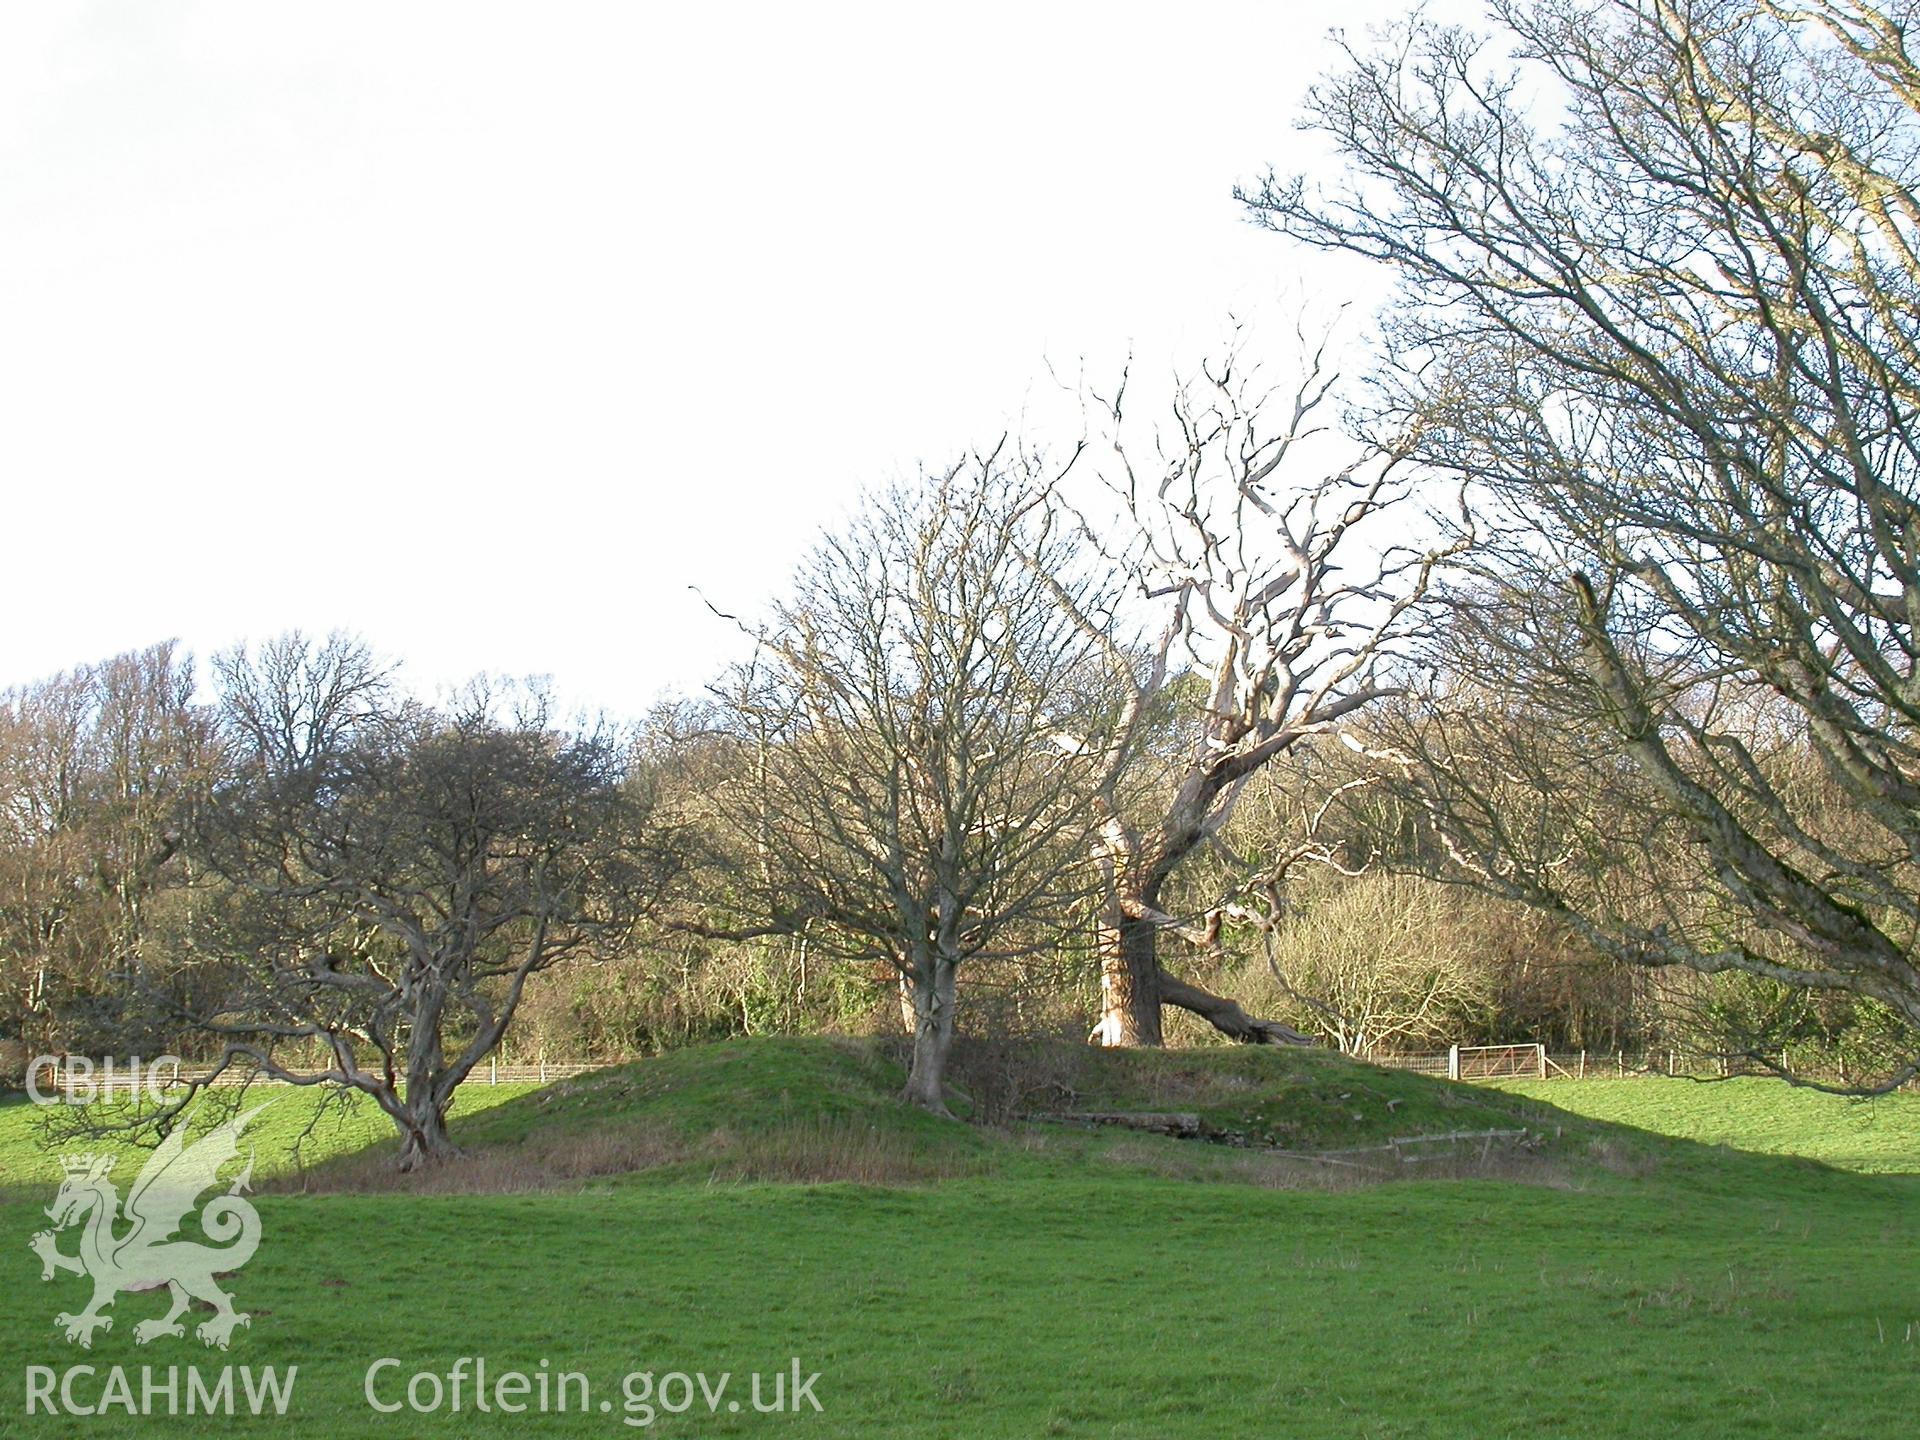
<point>1453,1062</point>
<point>543,1068</point>
<point>1540,1053</point>
<point>493,1070</point>
<point>1623,1064</point>
<point>1671,1070</point>
<point>1583,1064</point>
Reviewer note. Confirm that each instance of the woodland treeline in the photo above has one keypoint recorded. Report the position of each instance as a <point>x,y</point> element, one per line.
<point>1551,676</point>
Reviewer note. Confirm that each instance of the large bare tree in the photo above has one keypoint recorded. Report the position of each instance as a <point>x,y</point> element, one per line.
<point>920,739</point>
<point>385,876</point>
<point>1670,330</point>
<point>1254,540</point>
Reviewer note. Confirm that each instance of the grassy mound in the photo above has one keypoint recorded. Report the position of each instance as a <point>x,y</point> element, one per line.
<point>823,1110</point>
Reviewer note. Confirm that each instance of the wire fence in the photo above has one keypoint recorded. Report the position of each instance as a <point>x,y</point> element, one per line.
<point>1499,1062</point>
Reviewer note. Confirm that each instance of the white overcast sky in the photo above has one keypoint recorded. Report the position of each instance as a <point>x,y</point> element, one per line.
<point>488,330</point>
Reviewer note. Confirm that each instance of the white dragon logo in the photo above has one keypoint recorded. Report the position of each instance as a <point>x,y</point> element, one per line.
<point>147,1256</point>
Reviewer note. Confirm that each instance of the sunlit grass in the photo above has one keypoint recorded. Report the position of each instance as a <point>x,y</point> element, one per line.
<point>1770,1117</point>
<point>1055,1282</point>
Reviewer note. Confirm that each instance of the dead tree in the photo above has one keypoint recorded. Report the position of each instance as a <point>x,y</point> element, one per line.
<point>1273,605</point>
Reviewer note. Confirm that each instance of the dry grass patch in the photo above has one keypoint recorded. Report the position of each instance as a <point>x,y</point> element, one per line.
<point>804,1152</point>
<point>555,1162</point>
<point>823,1151</point>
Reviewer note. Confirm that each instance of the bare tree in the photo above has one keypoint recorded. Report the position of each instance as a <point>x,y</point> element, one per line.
<point>1274,604</point>
<point>389,875</point>
<point>920,738</point>
<point>99,770</point>
<point>1673,337</point>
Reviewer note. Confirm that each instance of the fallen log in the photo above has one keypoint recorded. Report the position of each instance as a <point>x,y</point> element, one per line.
<point>1180,1124</point>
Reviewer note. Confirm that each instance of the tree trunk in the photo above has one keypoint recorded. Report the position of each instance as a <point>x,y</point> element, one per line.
<point>932,1038</point>
<point>1130,982</point>
<point>1133,987</point>
<point>423,1135</point>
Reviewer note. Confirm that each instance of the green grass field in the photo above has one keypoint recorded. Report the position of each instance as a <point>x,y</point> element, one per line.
<point>1876,1136</point>
<point>684,1214</point>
